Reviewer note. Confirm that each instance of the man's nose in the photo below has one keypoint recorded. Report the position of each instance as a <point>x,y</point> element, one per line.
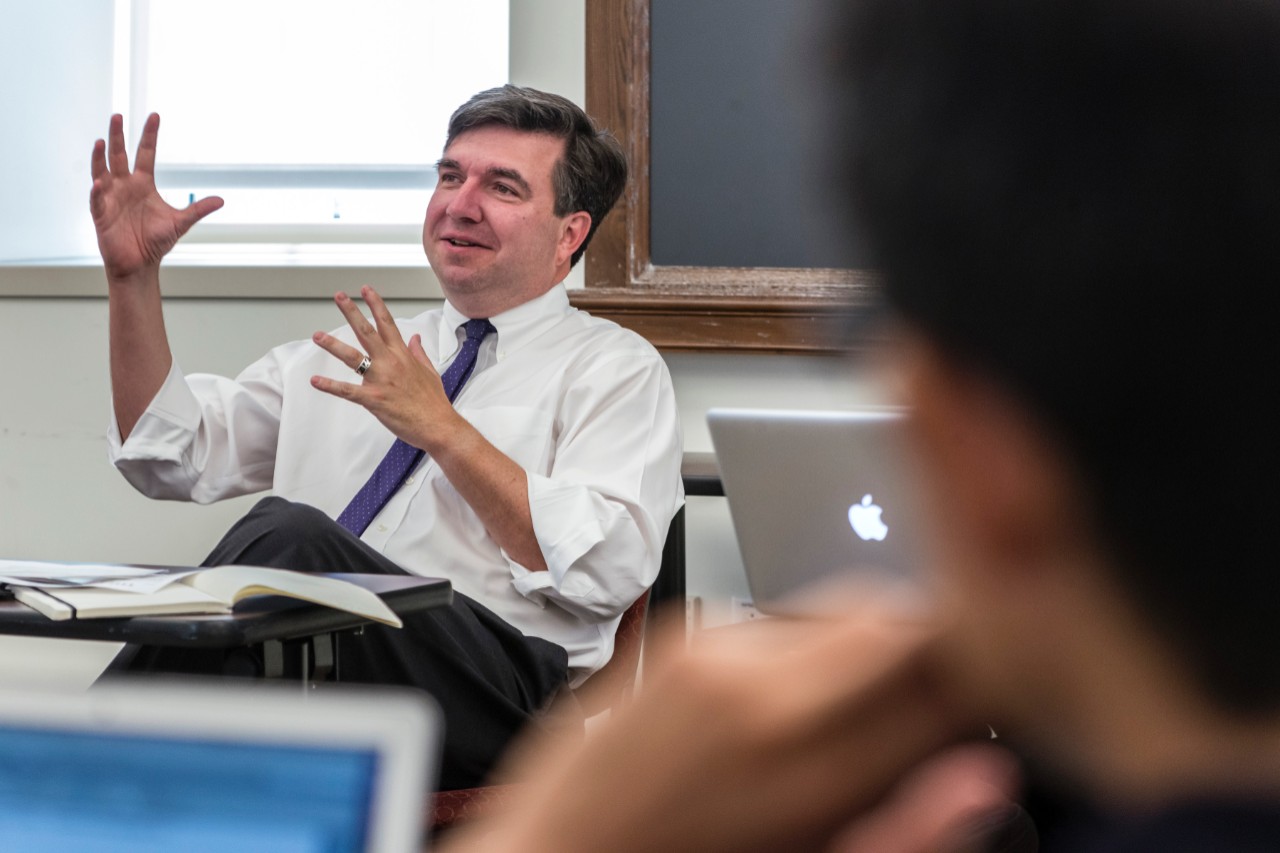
<point>464,203</point>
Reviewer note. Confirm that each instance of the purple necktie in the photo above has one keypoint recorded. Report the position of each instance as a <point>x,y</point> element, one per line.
<point>403,458</point>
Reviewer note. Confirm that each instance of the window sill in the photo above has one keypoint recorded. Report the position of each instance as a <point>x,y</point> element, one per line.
<point>204,271</point>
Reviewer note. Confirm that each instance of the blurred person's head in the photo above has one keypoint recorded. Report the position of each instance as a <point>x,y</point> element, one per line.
<point>1075,206</point>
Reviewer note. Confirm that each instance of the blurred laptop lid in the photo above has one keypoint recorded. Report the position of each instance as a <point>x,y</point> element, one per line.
<point>818,498</point>
<point>164,766</point>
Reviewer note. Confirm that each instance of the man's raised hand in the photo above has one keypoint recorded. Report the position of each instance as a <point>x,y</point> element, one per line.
<point>136,227</point>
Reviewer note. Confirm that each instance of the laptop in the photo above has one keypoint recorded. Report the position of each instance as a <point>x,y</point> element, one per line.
<point>164,766</point>
<point>819,500</point>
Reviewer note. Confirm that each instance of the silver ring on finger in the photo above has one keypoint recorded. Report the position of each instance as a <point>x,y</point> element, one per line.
<point>363,366</point>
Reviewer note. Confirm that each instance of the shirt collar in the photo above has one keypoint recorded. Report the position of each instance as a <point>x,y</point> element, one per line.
<point>516,327</point>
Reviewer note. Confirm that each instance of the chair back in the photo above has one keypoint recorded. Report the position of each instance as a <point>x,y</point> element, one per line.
<point>608,686</point>
<point>614,681</point>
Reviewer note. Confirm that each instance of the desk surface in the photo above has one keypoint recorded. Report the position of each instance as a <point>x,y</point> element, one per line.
<point>255,620</point>
<point>701,475</point>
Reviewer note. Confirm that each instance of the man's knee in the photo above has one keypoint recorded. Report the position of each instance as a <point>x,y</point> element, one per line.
<point>289,518</point>
<point>279,533</point>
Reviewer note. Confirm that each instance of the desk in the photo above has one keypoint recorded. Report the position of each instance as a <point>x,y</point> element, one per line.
<point>701,475</point>
<point>277,623</point>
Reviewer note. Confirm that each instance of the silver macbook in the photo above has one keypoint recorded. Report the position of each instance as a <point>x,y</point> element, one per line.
<point>818,499</point>
<point>159,766</point>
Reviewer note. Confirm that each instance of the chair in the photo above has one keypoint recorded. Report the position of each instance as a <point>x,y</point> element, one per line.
<point>613,684</point>
<point>618,677</point>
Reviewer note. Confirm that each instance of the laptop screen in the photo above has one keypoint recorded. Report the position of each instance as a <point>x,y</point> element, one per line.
<point>94,791</point>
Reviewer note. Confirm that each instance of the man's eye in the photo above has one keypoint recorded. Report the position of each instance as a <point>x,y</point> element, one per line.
<point>503,189</point>
<point>447,178</point>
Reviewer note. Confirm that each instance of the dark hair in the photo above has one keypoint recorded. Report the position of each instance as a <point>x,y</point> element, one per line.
<point>593,171</point>
<point>1081,199</point>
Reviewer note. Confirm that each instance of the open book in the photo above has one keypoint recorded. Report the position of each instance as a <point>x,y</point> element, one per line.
<point>213,590</point>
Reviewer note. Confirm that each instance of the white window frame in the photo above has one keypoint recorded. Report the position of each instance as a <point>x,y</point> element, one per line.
<point>246,262</point>
<point>322,237</point>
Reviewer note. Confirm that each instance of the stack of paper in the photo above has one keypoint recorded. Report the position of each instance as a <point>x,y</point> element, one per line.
<point>89,591</point>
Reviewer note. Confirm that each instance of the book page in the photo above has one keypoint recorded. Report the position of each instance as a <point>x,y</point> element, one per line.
<point>232,583</point>
<point>41,573</point>
<point>124,590</point>
<point>88,602</point>
<point>143,585</point>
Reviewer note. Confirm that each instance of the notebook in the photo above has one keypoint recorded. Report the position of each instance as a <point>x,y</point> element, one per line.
<point>819,499</point>
<point>165,766</point>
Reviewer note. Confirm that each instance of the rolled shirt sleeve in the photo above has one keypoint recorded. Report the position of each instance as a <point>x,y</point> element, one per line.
<point>601,514</point>
<point>203,437</point>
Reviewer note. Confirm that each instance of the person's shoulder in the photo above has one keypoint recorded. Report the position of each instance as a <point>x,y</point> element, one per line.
<point>606,336</point>
<point>430,320</point>
<point>303,353</point>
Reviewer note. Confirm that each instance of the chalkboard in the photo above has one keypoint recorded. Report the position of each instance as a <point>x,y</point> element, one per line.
<point>741,174</point>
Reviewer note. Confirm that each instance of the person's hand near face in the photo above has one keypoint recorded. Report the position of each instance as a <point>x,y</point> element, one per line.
<point>777,735</point>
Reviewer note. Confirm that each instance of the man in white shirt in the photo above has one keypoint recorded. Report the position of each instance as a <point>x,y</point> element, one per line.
<point>543,492</point>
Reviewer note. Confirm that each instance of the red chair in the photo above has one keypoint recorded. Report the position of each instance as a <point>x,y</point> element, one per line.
<point>613,683</point>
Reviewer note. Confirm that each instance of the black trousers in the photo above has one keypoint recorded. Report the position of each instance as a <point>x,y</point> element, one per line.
<point>489,679</point>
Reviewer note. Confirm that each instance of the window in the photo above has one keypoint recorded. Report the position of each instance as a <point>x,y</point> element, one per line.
<point>65,65</point>
<point>314,119</point>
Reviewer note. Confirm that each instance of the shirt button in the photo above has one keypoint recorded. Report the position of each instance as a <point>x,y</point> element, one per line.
<point>408,480</point>
<point>382,528</point>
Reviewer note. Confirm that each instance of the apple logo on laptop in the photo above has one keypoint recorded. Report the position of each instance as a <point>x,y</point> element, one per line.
<point>865,519</point>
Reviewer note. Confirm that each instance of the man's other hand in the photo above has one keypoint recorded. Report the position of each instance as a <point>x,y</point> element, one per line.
<point>400,387</point>
<point>136,227</point>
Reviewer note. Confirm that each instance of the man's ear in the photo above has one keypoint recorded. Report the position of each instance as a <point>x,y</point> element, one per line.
<point>574,230</point>
<point>1004,485</point>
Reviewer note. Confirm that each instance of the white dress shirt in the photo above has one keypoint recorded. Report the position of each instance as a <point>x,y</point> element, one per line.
<point>585,407</point>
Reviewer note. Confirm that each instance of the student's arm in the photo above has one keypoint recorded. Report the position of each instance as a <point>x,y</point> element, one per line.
<point>136,229</point>
<point>770,736</point>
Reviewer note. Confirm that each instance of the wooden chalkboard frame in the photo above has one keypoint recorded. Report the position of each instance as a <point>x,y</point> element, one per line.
<point>681,308</point>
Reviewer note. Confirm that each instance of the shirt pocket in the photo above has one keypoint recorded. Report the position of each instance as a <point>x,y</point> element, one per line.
<point>521,432</point>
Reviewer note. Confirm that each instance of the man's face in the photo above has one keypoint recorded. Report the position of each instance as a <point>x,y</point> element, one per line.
<point>490,233</point>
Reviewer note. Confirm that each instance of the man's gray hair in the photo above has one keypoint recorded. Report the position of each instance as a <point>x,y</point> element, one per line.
<point>592,172</point>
